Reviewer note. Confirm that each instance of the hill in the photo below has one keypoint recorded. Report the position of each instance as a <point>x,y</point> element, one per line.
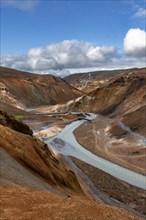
<point>24,90</point>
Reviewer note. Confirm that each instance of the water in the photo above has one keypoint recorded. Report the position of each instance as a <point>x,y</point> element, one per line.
<point>73,148</point>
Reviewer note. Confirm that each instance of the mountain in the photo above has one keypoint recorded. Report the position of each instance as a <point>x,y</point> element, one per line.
<point>24,90</point>
<point>122,94</point>
<point>90,81</point>
<point>37,183</point>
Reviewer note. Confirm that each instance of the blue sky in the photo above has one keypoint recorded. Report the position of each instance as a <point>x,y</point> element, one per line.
<point>43,36</point>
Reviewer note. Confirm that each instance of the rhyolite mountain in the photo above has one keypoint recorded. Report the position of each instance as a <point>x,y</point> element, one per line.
<point>23,90</point>
<point>123,93</point>
<point>90,81</point>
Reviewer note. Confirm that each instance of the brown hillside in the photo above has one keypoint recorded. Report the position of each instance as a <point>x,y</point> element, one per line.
<point>42,205</point>
<point>92,80</point>
<point>22,89</point>
<point>12,110</point>
<point>123,93</point>
<point>136,120</point>
<point>27,157</point>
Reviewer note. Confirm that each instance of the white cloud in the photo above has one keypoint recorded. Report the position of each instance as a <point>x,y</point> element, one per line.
<point>141,13</point>
<point>24,5</point>
<point>71,53</point>
<point>62,55</point>
<point>135,43</point>
<point>72,56</point>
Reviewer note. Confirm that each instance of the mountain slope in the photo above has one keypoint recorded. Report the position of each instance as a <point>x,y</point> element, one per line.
<point>136,120</point>
<point>10,109</point>
<point>22,89</point>
<point>46,206</point>
<point>90,81</point>
<point>27,161</point>
<point>124,93</point>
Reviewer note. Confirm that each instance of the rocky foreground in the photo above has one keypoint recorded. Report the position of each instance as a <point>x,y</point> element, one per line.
<point>38,204</point>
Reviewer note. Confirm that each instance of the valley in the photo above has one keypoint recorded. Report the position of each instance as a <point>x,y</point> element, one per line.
<point>68,145</point>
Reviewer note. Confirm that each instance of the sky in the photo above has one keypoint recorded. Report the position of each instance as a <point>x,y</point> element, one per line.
<point>63,37</point>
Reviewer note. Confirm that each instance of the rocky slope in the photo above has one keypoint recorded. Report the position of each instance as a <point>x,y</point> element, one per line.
<point>22,89</point>
<point>46,206</point>
<point>23,157</point>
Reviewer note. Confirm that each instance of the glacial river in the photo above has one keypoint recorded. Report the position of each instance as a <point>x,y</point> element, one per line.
<point>73,148</point>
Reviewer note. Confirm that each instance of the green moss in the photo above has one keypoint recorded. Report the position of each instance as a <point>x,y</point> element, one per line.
<point>19,116</point>
<point>28,79</point>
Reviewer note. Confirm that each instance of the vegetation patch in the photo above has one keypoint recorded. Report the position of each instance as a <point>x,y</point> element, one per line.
<point>134,128</point>
<point>19,117</point>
